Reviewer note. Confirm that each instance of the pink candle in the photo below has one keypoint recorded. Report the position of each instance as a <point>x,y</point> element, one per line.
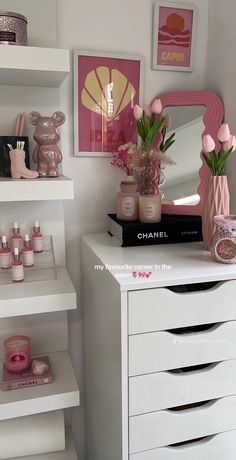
<point>17,353</point>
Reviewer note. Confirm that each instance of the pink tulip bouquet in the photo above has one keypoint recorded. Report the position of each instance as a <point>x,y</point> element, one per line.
<point>151,127</point>
<point>147,160</point>
<point>217,161</point>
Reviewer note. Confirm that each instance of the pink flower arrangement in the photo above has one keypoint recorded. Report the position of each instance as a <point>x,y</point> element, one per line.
<point>147,160</point>
<point>122,160</point>
<point>217,161</point>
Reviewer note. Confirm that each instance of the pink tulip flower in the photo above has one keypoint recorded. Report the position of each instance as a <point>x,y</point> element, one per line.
<point>156,106</point>
<point>224,133</point>
<point>208,143</point>
<point>138,112</point>
<point>167,122</point>
<point>231,142</point>
<point>147,110</point>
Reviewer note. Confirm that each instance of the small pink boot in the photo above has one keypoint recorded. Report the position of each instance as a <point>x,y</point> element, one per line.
<point>18,168</point>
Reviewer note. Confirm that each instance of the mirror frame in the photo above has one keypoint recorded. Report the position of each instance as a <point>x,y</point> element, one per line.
<point>212,119</point>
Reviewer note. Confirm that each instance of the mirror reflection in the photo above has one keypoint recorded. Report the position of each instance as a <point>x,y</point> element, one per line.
<point>182,179</point>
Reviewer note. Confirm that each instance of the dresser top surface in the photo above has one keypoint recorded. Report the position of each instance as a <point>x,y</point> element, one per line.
<point>158,265</point>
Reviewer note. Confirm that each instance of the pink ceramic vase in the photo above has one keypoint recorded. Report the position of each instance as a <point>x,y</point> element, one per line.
<point>215,203</point>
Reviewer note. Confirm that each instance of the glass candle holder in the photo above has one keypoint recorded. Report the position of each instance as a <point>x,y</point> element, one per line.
<point>17,354</point>
<point>127,207</point>
<point>150,208</point>
<point>223,245</point>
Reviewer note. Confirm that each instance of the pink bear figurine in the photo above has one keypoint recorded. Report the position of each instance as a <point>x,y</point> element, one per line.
<point>46,153</point>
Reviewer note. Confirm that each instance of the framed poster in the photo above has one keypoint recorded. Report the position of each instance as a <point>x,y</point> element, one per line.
<point>106,88</point>
<point>174,28</point>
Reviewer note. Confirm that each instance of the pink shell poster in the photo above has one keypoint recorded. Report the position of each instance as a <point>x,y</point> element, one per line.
<point>108,89</point>
<point>174,37</point>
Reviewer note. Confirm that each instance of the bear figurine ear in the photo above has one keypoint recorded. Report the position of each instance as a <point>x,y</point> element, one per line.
<point>34,117</point>
<point>59,118</point>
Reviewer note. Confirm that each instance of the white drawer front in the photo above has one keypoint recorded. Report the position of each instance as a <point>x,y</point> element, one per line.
<point>159,429</point>
<point>161,309</point>
<point>163,390</point>
<point>219,447</point>
<point>159,351</point>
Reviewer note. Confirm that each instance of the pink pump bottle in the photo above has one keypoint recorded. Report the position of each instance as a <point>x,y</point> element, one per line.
<point>17,267</point>
<point>27,253</point>
<point>37,238</point>
<point>16,240</point>
<point>5,254</point>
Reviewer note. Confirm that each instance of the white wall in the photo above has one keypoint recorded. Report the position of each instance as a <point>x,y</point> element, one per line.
<point>108,25</point>
<point>221,68</point>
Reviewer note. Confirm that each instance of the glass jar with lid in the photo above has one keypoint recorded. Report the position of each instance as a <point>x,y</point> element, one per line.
<point>223,245</point>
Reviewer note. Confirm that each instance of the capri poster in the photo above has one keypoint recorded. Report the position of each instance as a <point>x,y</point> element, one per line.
<point>174,37</point>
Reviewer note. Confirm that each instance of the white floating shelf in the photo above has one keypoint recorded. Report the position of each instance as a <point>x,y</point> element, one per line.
<point>68,454</point>
<point>30,298</point>
<point>32,66</point>
<point>61,394</point>
<point>58,188</point>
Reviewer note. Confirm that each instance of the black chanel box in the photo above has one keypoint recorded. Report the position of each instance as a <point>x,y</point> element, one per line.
<point>171,229</point>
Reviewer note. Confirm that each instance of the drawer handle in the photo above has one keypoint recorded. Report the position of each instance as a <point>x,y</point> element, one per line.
<point>201,368</point>
<point>192,407</point>
<point>194,329</point>
<point>197,287</point>
<point>188,406</point>
<point>191,443</point>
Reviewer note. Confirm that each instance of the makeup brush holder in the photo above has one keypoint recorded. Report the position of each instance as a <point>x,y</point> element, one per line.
<point>5,162</point>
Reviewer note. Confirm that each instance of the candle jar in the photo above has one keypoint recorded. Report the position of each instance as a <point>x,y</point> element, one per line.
<point>223,245</point>
<point>150,208</point>
<point>13,29</point>
<point>127,207</point>
<point>17,354</point>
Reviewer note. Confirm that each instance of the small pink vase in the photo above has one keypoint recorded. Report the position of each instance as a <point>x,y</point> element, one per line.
<point>216,202</point>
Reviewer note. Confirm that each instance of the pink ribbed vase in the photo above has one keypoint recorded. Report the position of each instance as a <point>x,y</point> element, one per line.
<point>215,203</point>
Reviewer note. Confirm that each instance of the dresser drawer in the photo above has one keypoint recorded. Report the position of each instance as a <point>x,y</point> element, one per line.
<point>218,447</point>
<point>161,309</point>
<point>163,390</point>
<point>159,429</point>
<point>159,351</point>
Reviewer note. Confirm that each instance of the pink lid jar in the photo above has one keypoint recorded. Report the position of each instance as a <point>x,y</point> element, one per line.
<point>223,245</point>
<point>127,207</point>
<point>17,354</point>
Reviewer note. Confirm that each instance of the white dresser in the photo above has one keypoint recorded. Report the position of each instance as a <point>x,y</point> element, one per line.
<point>159,352</point>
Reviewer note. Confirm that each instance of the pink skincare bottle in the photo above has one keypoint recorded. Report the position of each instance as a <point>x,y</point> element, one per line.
<point>37,238</point>
<point>5,254</point>
<point>27,253</point>
<point>17,267</point>
<point>16,240</point>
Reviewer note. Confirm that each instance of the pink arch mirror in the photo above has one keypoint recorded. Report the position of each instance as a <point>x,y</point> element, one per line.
<point>200,123</point>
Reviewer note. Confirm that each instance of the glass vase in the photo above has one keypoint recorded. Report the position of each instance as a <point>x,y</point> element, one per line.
<point>150,172</point>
